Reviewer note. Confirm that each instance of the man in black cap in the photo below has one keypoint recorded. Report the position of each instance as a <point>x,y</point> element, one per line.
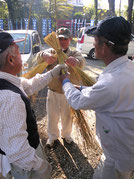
<point>112,98</point>
<point>19,138</point>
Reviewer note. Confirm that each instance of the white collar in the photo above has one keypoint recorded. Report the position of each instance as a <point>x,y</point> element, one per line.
<point>116,63</point>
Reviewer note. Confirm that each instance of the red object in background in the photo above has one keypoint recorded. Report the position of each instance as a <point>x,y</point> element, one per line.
<point>64,23</point>
<point>81,40</point>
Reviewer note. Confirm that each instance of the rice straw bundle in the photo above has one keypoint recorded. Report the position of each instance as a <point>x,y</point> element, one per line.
<point>86,132</point>
<point>85,129</point>
<point>53,41</point>
<point>86,80</point>
<point>37,69</point>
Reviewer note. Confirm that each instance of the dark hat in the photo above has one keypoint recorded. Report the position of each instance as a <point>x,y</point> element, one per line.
<point>6,40</point>
<point>116,30</point>
<point>63,32</point>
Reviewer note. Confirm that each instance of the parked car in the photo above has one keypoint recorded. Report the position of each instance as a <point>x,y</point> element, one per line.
<point>85,43</point>
<point>130,51</point>
<point>29,47</point>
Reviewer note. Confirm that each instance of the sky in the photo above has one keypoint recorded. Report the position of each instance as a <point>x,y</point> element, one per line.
<point>104,3</point>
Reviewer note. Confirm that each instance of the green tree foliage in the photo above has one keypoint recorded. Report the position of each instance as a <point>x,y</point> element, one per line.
<point>54,9</point>
<point>79,15</point>
<point>90,12</point>
<point>14,11</point>
<point>23,9</point>
<point>3,10</point>
<point>59,9</point>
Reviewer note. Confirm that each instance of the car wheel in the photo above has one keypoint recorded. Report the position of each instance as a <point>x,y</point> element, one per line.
<point>92,54</point>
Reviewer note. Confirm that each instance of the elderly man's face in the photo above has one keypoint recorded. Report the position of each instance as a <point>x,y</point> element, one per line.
<point>64,42</point>
<point>17,59</point>
<point>98,49</point>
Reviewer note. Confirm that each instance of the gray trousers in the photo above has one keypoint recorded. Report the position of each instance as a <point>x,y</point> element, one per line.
<point>18,173</point>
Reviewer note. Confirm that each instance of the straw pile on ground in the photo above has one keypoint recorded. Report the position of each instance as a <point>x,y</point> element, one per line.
<point>79,78</point>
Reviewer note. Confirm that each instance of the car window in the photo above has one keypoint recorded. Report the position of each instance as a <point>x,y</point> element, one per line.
<point>24,46</point>
<point>36,41</point>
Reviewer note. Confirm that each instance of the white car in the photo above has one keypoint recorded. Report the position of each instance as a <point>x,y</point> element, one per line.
<point>29,47</point>
<point>85,44</point>
<point>130,51</point>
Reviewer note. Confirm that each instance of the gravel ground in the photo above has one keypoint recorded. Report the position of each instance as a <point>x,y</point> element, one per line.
<point>69,161</point>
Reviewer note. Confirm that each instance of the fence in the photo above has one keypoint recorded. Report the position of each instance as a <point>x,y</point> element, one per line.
<point>74,25</point>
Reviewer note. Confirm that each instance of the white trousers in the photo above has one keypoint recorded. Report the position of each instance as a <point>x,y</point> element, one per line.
<point>107,170</point>
<point>58,108</point>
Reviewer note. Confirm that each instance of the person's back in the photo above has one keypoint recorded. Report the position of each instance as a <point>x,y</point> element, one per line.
<point>112,98</point>
<point>116,114</point>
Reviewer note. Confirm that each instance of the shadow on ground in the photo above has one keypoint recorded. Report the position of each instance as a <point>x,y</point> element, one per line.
<point>39,104</point>
<point>68,161</point>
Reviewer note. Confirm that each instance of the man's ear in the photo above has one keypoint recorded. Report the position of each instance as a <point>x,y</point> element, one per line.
<point>10,59</point>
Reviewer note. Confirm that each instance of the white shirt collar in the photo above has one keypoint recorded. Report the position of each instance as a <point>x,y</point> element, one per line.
<point>11,78</point>
<point>116,63</point>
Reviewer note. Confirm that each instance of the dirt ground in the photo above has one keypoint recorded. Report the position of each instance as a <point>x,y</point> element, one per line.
<point>69,161</point>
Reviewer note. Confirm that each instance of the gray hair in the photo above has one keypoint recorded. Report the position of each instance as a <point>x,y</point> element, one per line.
<point>116,49</point>
<point>3,56</point>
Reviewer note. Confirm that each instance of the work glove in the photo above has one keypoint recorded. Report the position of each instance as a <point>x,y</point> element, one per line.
<point>72,61</point>
<point>45,170</point>
<point>49,58</point>
<point>57,70</point>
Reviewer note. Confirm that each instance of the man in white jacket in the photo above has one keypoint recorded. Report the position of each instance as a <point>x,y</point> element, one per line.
<point>19,138</point>
<point>112,98</point>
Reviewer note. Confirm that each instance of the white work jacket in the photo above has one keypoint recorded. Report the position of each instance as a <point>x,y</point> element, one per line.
<point>112,97</point>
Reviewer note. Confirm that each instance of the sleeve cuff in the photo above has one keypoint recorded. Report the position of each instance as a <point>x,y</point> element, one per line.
<point>81,88</point>
<point>65,81</point>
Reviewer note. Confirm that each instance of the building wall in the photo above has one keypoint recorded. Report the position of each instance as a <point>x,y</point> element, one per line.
<point>76,2</point>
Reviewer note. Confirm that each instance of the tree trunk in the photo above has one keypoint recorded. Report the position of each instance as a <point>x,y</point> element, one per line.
<point>96,11</point>
<point>120,8</point>
<point>11,12</point>
<point>111,7</point>
<point>129,11</point>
